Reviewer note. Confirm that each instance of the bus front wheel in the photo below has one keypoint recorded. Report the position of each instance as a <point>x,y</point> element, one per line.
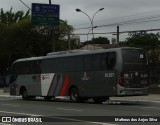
<point>74,95</point>
<point>25,94</point>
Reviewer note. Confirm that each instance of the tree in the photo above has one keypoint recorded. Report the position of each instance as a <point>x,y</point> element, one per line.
<point>9,17</point>
<point>147,41</point>
<point>19,39</point>
<point>57,36</point>
<point>99,40</point>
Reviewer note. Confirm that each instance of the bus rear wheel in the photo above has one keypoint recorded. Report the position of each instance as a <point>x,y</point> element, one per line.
<point>74,95</point>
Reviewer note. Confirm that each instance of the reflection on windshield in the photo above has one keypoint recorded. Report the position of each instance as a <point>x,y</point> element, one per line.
<point>134,57</point>
<point>135,60</point>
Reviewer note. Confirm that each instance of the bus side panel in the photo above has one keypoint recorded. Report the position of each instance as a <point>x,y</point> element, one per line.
<point>13,89</point>
<point>56,84</point>
<point>53,85</point>
<point>95,83</point>
<point>12,85</point>
<point>31,83</point>
<point>47,83</point>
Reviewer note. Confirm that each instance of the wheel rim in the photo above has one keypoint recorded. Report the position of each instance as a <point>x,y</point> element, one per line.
<point>24,94</point>
<point>74,96</point>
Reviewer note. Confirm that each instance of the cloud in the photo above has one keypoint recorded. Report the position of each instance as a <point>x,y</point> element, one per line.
<point>113,9</point>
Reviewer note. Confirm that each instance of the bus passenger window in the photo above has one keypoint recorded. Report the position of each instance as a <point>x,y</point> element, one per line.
<point>111,61</point>
<point>37,67</point>
<point>104,59</point>
<point>111,64</point>
<point>108,61</point>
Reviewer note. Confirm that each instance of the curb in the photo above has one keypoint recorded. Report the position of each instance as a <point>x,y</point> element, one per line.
<point>1,91</point>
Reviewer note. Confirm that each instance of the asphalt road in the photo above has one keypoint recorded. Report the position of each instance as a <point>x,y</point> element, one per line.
<point>61,111</point>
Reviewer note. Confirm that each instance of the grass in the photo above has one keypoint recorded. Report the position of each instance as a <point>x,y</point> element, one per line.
<point>6,89</point>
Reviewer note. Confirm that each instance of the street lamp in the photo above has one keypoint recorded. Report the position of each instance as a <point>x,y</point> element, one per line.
<point>91,19</point>
<point>89,31</point>
<point>88,34</point>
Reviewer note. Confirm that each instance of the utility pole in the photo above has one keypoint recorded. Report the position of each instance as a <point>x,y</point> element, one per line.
<point>118,35</point>
<point>69,41</point>
<point>51,33</point>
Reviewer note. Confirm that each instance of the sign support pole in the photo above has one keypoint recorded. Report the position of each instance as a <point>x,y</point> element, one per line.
<point>51,32</point>
<point>50,2</point>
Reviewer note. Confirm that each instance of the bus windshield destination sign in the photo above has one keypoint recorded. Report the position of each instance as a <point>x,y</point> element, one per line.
<point>45,14</point>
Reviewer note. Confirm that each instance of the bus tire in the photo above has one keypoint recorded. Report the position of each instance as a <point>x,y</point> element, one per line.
<point>74,95</point>
<point>24,94</point>
<point>47,98</point>
<point>32,97</point>
<point>83,99</point>
<point>99,100</point>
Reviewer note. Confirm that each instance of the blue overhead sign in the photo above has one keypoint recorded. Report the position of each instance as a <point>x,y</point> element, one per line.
<point>45,14</point>
<point>45,8</point>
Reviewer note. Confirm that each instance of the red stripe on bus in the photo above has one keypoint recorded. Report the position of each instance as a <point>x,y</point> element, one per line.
<point>64,86</point>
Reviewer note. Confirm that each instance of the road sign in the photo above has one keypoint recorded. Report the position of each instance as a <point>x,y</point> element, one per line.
<point>45,14</point>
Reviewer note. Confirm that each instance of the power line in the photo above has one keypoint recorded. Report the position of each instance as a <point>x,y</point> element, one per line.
<point>143,20</point>
<point>128,31</point>
<point>130,15</point>
<point>126,16</point>
<point>25,4</point>
<point>140,20</point>
<point>119,23</point>
<point>128,22</point>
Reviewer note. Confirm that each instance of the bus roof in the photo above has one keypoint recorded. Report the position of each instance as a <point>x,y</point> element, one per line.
<point>72,53</point>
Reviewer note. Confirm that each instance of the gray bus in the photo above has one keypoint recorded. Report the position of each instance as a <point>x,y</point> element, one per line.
<point>82,75</point>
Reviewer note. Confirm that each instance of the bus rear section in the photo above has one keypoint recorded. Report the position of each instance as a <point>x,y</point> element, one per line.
<point>133,78</point>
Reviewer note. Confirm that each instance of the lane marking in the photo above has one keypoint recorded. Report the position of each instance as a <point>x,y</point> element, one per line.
<point>74,120</point>
<point>78,110</point>
<point>144,107</point>
<point>6,124</point>
<point>78,120</point>
<point>20,113</point>
<point>145,115</point>
<point>5,99</point>
<point>135,100</point>
<point>10,105</point>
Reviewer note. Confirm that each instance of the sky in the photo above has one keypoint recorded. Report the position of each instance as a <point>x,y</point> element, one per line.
<point>128,14</point>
